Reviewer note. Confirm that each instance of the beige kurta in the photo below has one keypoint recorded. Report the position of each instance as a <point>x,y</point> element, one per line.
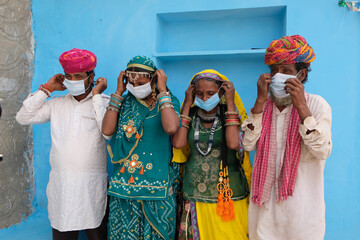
<point>301,216</point>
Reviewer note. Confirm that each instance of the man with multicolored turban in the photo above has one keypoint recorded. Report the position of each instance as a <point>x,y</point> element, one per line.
<point>291,132</point>
<point>77,185</point>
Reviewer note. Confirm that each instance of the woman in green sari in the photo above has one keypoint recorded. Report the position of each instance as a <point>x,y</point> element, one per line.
<point>143,185</point>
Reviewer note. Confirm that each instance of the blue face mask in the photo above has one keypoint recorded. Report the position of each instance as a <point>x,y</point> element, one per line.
<point>209,104</point>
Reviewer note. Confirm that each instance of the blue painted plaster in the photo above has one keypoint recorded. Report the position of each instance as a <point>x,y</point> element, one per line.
<point>118,30</point>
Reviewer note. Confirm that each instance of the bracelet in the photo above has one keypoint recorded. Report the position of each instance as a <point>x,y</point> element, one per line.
<point>115,100</point>
<point>163,94</point>
<point>47,87</point>
<point>184,121</point>
<point>232,116</point>
<point>184,125</point>
<point>232,113</point>
<point>111,108</point>
<point>44,91</point>
<point>115,105</point>
<point>232,120</point>
<point>165,101</point>
<point>117,97</point>
<point>232,124</point>
<point>166,105</point>
<point>185,117</point>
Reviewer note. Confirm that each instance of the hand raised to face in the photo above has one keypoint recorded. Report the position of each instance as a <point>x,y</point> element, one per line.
<point>100,86</point>
<point>161,78</point>
<point>56,82</point>
<point>121,83</point>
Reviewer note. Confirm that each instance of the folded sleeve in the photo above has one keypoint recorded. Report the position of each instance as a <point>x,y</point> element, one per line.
<point>251,136</point>
<point>316,129</point>
<point>100,102</point>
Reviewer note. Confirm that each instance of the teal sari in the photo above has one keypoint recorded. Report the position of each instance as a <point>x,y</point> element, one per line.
<point>145,181</point>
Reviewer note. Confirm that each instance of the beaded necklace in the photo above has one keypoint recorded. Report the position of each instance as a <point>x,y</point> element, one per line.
<point>206,118</point>
<point>211,137</point>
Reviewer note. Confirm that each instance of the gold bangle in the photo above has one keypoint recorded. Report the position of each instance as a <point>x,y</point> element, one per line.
<point>163,94</point>
<point>185,117</point>
<point>112,108</point>
<point>166,105</point>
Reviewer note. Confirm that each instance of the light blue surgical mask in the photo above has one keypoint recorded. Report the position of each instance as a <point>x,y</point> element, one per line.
<point>209,104</point>
<point>277,85</point>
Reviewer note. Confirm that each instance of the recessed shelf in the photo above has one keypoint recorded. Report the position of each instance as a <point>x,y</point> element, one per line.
<point>218,32</point>
<point>195,55</point>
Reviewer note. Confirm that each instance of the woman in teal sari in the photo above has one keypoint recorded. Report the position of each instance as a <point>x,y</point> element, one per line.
<point>143,185</point>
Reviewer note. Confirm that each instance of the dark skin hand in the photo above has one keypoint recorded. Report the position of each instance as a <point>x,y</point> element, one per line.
<point>293,86</point>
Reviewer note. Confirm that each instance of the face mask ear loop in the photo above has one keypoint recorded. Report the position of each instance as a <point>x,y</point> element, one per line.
<point>88,82</point>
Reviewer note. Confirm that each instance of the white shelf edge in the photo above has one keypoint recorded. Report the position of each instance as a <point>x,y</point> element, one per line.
<point>208,53</point>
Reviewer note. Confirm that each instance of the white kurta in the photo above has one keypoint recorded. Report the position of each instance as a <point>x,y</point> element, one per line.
<point>302,216</point>
<point>77,188</point>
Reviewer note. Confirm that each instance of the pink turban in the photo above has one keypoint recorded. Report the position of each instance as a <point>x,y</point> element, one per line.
<point>77,60</point>
<point>288,50</point>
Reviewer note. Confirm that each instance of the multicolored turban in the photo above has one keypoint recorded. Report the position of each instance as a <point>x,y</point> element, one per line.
<point>142,62</point>
<point>289,50</point>
<point>77,60</point>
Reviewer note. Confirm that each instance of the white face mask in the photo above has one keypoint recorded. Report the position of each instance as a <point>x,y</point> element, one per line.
<point>277,85</point>
<point>77,87</point>
<point>139,92</point>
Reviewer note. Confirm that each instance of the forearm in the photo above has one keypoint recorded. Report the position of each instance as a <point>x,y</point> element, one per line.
<point>180,137</point>
<point>169,120</point>
<point>232,131</point>
<point>232,137</point>
<point>109,123</point>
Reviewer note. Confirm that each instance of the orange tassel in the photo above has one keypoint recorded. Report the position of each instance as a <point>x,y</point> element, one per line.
<point>137,136</point>
<point>226,215</point>
<point>231,209</point>
<point>131,180</point>
<point>122,170</point>
<point>141,171</point>
<point>220,205</point>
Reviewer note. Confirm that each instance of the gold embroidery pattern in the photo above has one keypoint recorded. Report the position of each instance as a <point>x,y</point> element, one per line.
<point>129,129</point>
<point>149,166</point>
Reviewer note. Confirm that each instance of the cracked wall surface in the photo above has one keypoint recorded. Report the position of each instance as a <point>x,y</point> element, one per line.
<point>16,59</point>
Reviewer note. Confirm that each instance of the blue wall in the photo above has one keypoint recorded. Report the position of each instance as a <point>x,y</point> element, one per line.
<point>118,30</point>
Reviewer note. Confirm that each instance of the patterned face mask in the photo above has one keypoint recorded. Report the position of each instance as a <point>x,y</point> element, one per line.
<point>133,76</point>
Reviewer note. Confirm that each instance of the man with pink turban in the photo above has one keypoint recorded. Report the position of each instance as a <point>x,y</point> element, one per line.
<point>291,132</point>
<point>77,185</point>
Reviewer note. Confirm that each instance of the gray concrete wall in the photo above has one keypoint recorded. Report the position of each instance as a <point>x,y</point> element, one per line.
<point>16,59</point>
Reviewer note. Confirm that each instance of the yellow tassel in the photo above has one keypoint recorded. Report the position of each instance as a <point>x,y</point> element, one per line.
<point>221,165</point>
<point>122,170</point>
<point>220,205</point>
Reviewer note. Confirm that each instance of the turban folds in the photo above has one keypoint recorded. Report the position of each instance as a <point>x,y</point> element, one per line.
<point>77,60</point>
<point>289,50</point>
<point>142,62</point>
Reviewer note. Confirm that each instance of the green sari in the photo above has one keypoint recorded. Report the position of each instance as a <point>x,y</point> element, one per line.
<point>145,181</point>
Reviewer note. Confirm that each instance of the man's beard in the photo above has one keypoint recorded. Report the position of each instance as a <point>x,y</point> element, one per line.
<point>286,101</point>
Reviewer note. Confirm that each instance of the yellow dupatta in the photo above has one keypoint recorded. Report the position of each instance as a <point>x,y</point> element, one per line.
<point>181,155</point>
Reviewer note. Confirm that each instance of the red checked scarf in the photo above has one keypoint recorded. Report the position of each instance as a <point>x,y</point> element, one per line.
<point>264,172</point>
